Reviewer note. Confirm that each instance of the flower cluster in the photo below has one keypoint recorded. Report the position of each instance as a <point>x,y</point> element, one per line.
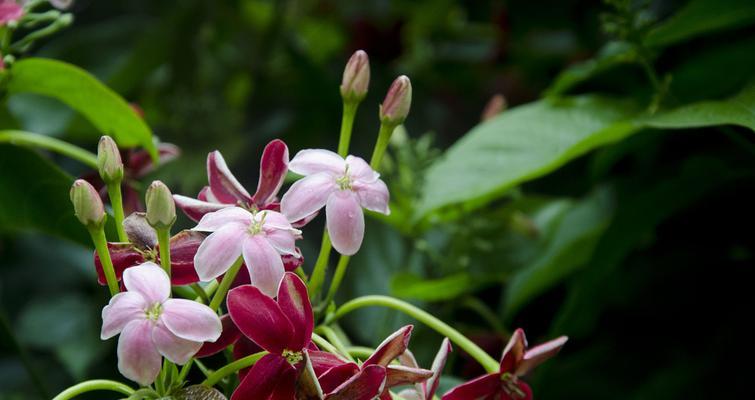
<point>235,280</point>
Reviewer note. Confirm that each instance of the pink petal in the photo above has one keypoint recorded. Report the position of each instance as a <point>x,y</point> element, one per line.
<point>190,320</point>
<point>392,347</point>
<point>345,222</point>
<point>174,348</point>
<point>536,355</point>
<point>360,170</point>
<point>206,195</point>
<point>183,246</point>
<point>229,335</point>
<point>194,208</point>
<point>307,195</point>
<point>373,196</point>
<point>399,375</point>
<point>264,264</point>
<point>312,161</point>
<point>366,385</point>
<point>123,255</point>
<point>219,251</point>
<point>260,318</point>
<point>275,220</point>
<point>10,11</point>
<point>272,377</point>
<point>283,241</point>
<point>480,388</point>
<point>273,168</point>
<point>438,363</point>
<point>149,280</point>
<point>123,308</point>
<point>412,394</point>
<point>294,302</point>
<point>218,219</point>
<point>514,351</point>
<point>337,375</point>
<point>138,358</point>
<point>293,261</point>
<point>222,182</point>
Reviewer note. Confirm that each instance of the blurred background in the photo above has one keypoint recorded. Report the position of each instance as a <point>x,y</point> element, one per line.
<point>642,250</point>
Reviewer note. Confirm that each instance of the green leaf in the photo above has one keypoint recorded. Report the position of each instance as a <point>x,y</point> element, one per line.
<point>410,286</point>
<point>568,246</point>
<point>611,55</point>
<point>521,144</point>
<point>737,110</point>
<point>699,17</point>
<point>35,196</point>
<point>78,89</point>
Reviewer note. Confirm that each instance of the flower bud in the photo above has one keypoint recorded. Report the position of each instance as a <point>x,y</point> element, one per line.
<point>397,102</point>
<point>109,161</point>
<point>87,204</point>
<point>356,77</point>
<point>161,209</point>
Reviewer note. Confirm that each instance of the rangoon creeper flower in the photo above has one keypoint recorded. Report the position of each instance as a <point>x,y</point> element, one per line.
<point>516,361</point>
<point>426,390</point>
<point>344,187</point>
<point>151,324</point>
<point>10,10</point>
<point>260,237</point>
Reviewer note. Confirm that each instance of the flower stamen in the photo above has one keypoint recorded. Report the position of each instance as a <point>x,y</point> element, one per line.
<point>153,313</point>
<point>293,357</point>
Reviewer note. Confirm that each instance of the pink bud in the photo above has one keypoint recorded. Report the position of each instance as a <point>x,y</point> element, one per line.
<point>397,102</point>
<point>87,204</point>
<point>356,77</point>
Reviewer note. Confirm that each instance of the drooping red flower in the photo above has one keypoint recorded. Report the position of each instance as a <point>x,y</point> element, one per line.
<point>426,390</point>
<point>516,361</point>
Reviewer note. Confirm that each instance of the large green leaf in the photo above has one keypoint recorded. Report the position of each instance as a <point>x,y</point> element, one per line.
<point>34,196</point>
<point>702,16</point>
<point>78,89</point>
<point>521,144</point>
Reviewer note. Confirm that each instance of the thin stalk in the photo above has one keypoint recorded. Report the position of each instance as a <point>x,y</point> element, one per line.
<point>230,275</point>
<point>360,352</point>
<point>116,201</point>
<point>386,130</point>
<point>321,266</point>
<point>211,287</point>
<point>201,295</point>
<point>28,139</point>
<point>241,363</point>
<point>426,318</point>
<point>206,371</point>
<point>323,343</point>
<point>97,384</point>
<point>163,241</point>
<point>347,124</point>
<point>185,370</point>
<point>100,244</point>
<point>332,337</point>
<point>343,263</point>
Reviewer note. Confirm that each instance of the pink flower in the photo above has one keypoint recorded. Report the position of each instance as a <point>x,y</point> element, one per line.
<point>10,10</point>
<point>151,324</point>
<point>426,390</point>
<point>261,238</point>
<point>516,361</point>
<point>344,187</point>
<point>226,191</point>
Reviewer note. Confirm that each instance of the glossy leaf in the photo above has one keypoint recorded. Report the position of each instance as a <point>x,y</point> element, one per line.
<point>80,90</point>
<point>410,286</point>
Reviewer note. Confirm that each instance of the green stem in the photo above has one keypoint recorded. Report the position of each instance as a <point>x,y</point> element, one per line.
<point>321,266</point>
<point>386,130</point>
<point>241,363</point>
<point>201,295</point>
<point>360,352</point>
<point>211,287</point>
<point>97,384</point>
<point>100,244</point>
<point>206,371</point>
<point>230,275</point>
<point>332,337</point>
<point>116,201</point>
<point>163,241</point>
<point>185,370</point>
<point>426,318</point>
<point>347,124</point>
<point>28,139</point>
<point>343,263</point>
<point>61,22</point>
<point>323,343</point>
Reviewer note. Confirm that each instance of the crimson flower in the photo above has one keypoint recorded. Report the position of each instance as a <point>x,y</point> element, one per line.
<point>143,247</point>
<point>426,390</point>
<point>505,384</point>
<point>224,189</point>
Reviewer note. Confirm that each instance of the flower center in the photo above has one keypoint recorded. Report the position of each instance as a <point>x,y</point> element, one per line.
<point>344,182</point>
<point>293,357</point>
<point>256,226</point>
<point>510,386</point>
<point>153,313</point>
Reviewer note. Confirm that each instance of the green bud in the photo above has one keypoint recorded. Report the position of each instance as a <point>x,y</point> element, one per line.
<point>109,161</point>
<point>356,77</point>
<point>87,204</point>
<point>161,209</point>
<point>397,102</point>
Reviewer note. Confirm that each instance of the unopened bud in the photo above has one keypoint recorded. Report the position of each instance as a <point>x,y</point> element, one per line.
<point>109,161</point>
<point>496,105</point>
<point>397,102</point>
<point>87,204</point>
<point>161,210</point>
<point>356,77</point>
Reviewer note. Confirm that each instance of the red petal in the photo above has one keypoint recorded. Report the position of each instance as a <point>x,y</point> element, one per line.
<point>140,163</point>
<point>486,385</point>
<point>273,169</point>
<point>292,262</point>
<point>322,361</point>
<point>183,247</point>
<point>196,209</point>
<point>514,351</point>
<point>398,375</point>
<point>337,375</point>
<point>267,380</point>
<point>222,182</point>
<point>538,354</point>
<point>392,347</point>
<point>260,318</point>
<point>123,256</point>
<point>244,347</point>
<point>366,385</point>
<point>229,336</point>
<point>294,302</point>
<point>438,363</point>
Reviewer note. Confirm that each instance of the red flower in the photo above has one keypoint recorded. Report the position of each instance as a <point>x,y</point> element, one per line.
<point>505,384</point>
